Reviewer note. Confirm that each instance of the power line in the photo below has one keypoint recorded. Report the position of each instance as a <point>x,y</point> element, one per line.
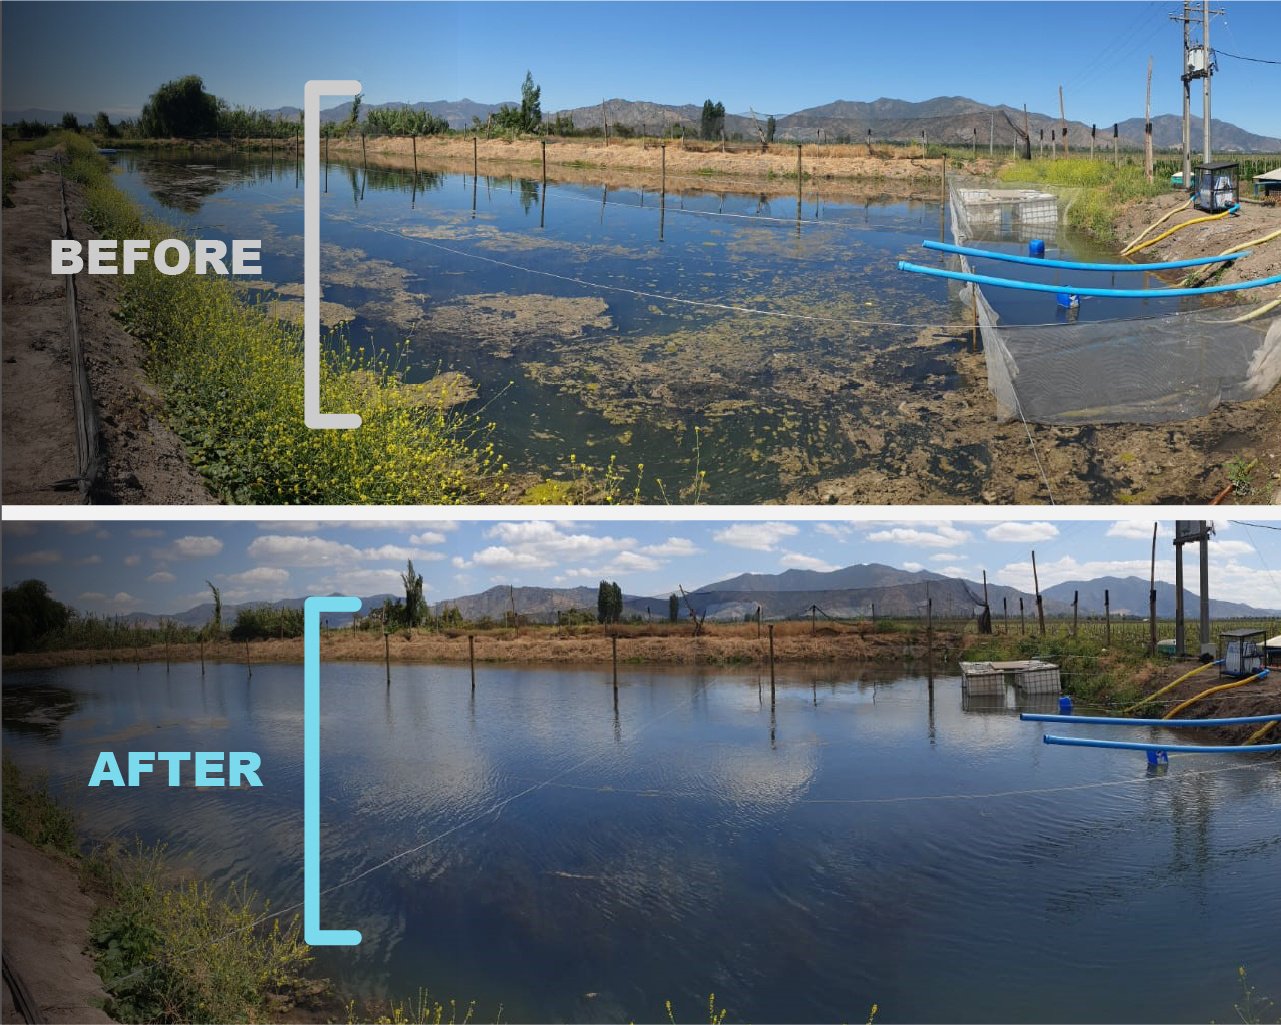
<point>1237,56</point>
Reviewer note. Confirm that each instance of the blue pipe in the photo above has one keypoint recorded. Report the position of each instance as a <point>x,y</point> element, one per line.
<point>1103,720</point>
<point>986,254</point>
<point>1109,293</point>
<point>1188,749</point>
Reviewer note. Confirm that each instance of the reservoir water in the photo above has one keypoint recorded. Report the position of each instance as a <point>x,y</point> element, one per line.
<point>867,836</point>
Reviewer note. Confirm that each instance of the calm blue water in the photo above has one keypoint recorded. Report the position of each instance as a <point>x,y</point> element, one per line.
<point>863,839</point>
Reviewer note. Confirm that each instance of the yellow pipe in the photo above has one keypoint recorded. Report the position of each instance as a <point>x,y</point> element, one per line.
<point>1192,275</point>
<point>1160,220</point>
<point>1178,227</point>
<point>1169,686</point>
<point>1258,734</point>
<point>1173,712</point>
<point>1255,314</point>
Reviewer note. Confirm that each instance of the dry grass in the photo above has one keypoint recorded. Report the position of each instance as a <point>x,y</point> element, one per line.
<point>687,163</point>
<point>649,644</point>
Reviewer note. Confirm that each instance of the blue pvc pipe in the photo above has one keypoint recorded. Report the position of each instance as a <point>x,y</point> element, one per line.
<point>1107,293</point>
<point>986,254</point>
<point>1103,720</point>
<point>1186,749</point>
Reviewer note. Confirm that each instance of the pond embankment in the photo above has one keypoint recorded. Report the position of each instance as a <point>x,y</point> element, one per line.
<point>793,644</point>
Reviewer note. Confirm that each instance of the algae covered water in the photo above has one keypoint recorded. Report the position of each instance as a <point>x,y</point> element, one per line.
<point>865,837</point>
<point>608,320</point>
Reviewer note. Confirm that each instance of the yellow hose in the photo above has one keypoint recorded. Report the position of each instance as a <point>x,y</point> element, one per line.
<point>1192,276</point>
<point>1258,734</point>
<point>1169,686</point>
<point>1255,314</point>
<point>1159,220</point>
<point>1173,712</point>
<point>1171,231</point>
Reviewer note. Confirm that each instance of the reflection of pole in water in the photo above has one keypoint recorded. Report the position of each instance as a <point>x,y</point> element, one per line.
<point>662,193</point>
<point>930,686</point>
<point>475,185</point>
<point>618,726</point>
<point>773,717</point>
<point>542,205</point>
<point>604,194</point>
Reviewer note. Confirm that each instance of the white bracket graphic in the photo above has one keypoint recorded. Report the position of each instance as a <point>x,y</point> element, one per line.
<point>312,92</point>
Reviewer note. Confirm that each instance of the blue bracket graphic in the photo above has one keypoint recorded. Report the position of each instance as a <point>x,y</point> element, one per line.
<point>313,934</point>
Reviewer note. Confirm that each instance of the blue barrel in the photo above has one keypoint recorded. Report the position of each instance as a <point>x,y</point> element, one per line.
<point>1067,300</point>
<point>1065,705</point>
<point>1036,248</point>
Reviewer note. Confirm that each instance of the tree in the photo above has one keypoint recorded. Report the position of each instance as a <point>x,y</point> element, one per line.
<point>180,109</point>
<point>531,110</point>
<point>216,624</point>
<point>616,601</point>
<point>770,126</point>
<point>712,122</point>
<point>413,595</point>
<point>31,614</point>
<point>102,126</point>
<point>673,609</point>
<point>70,122</point>
<point>603,602</point>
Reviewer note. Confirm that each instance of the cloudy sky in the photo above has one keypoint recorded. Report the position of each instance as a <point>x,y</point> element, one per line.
<point>162,567</point>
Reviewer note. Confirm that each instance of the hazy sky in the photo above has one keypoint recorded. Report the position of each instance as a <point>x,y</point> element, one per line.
<point>775,57</point>
<point>162,567</point>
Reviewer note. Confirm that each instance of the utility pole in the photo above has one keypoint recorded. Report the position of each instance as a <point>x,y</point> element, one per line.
<point>1205,82</point>
<point>1063,121</point>
<point>1187,100</point>
<point>1147,127</point>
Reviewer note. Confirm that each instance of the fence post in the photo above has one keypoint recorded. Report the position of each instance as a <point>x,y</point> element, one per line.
<point>771,661</point>
<point>1107,618</point>
<point>387,654</point>
<point>613,646</point>
<point>471,657</point>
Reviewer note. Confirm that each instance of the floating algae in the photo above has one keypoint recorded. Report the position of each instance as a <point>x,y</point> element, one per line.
<point>504,323</point>
<point>291,310</point>
<point>447,389</point>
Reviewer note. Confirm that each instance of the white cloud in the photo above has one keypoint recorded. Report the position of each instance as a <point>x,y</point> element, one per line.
<point>1228,549</point>
<point>913,567</point>
<point>121,601</point>
<point>132,560</point>
<point>427,537</point>
<point>292,526</point>
<point>189,547</point>
<point>944,535</point>
<point>364,582</point>
<point>761,537</point>
<point>839,531</point>
<point>258,575</point>
<point>1025,531</point>
<point>798,560</point>
<point>80,527</point>
<point>458,562</point>
<point>146,533</point>
<point>1019,574</point>
<point>954,571</point>
<point>1137,530</point>
<point>21,529</point>
<point>40,557</point>
<point>286,550</point>
<point>673,547</point>
<point>161,577</point>
<point>89,560</point>
<point>631,562</point>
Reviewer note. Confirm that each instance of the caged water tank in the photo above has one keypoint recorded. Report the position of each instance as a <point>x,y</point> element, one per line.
<point>1216,187</point>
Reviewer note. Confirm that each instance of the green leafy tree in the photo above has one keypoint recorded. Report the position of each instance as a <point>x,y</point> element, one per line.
<point>181,109</point>
<point>712,122</point>
<point>413,595</point>
<point>216,624</point>
<point>70,122</point>
<point>102,126</point>
<point>604,601</point>
<point>531,110</point>
<point>770,127</point>
<point>616,602</point>
<point>31,614</point>
<point>673,609</point>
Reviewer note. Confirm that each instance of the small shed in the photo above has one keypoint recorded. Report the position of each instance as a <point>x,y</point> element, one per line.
<point>1241,652</point>
<point>1216,186</point>
<point>1268,183</point>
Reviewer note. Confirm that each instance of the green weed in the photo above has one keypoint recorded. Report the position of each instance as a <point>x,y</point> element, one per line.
<point>32,814</point>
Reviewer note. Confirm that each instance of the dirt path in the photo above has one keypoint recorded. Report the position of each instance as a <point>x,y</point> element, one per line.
<point>144,461</point>
<point>46,930</point>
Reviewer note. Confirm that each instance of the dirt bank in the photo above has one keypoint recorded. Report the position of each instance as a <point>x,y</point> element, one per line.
<point>687,164</point>
<point>144,461</point>
<point>1263,697</point>
<point>793,643</point>
<point>46,933</point>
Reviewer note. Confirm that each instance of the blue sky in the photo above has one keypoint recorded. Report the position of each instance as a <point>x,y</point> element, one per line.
<point>162,567</point>
<point>775,57</point>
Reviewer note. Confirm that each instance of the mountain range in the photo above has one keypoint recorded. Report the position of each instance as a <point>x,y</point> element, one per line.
<point>846,593</point>
<point>956,120</point>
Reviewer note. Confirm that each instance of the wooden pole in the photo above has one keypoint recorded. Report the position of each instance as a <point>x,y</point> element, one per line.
<point>1040,605</point>
<point>1152,598</point>
<point>1027,132</point>
<point>1076,597</point>
<point>1147,128</point>
<point>1063,122</point>
<point>1005,609</point>
<point>813,620</point>
<point>604,120</point>
<point>1022,620</point>
<point>471,657</point>
<point>1107,618</point>
<point>771,661</point>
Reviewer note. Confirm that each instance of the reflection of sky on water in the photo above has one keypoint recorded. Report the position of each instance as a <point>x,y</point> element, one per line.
<point>850,842</point>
